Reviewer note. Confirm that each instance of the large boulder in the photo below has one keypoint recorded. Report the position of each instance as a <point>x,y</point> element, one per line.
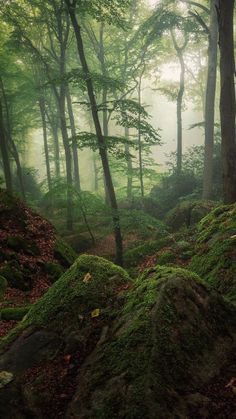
<point>216,250</point>
<point>171,337</point>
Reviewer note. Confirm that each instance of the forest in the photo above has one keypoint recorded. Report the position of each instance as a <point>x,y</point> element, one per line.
<point>117,209</point>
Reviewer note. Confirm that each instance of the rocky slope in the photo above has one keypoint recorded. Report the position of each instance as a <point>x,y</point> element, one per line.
<point>99,344</point>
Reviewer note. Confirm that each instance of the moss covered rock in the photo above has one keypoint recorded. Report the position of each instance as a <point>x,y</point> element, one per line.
<point>19,243</point>
<point>54,271</point>
<point>187,214</point>
<point>3,286</point>
<point>215,258</point>
<point>171,337</point>
<point>16,276</point>
<point>136,255</point>
<point>64,253</point>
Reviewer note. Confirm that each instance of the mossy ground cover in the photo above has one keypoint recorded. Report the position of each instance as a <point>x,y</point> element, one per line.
<point>216,250</point>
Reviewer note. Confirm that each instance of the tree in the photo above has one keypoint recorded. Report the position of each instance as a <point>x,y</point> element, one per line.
<point>227,99</point>
<point>180,51</point>
<point>100,138</point>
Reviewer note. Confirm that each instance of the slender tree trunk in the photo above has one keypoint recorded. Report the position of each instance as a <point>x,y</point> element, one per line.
<point>4,152</point>
<point>140,157</point>
<point>227,99</point>
<point>67,157</point>
<point>45,140</point>
<point>179,115</point>
<point>74,146</point>
<point>210,102</point>
<point>95,168</point>
<point>53,120</point>
<point>129,167</point>
<point>56,144</point>
<point>13,147</point>
<point>180,51</point>
<point>100,138</point>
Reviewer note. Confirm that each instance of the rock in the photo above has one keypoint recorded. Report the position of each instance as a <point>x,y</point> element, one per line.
<point>64,253</point>
<point>215,250</point>
<point>19,243</point>
<point>187,214</point>
<point>171,337</point>
<point>54,270</point>
<point>16,276</point>
<point>3,286</point>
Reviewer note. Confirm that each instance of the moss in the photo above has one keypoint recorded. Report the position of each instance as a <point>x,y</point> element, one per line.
<point>136,255</point>
<point>19,243</point>
<point>157,348</point>
<point>16,276</point>
<point>3,286</point>
<point>13,313</point>
<point>64,253</point>
<point>76,292</point>
<point>216,251</point>
<point>166,257</point>
<point>187,214</point>
<point>54,270</point>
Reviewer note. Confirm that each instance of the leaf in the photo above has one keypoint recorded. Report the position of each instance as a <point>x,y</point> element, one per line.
<point>5,378</point>
<point>87,278</point>
<point>95,313</point>
<point>67,359</point>
<point>230,383</point>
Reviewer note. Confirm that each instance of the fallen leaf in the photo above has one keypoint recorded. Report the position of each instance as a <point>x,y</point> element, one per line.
<point>67,358</point>
<point>87,278</point>
<point>231,382</point>
<point>95,313</point>
<point>5,378</point>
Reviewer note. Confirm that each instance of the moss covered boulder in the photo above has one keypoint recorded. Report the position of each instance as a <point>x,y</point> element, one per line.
<point>71,318</point>
<point>117,349</point>
<point>170,338</point>
<point>215,259</point>
<point>187,214</point>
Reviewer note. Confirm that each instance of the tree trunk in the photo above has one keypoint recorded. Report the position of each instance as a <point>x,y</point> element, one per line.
<point>227,99</point>
<point>74,146</point>
<point>180,51</point>
<point>210,102</point>
<point>129,167</point>
<point>95,168</point>
<point>13,147</point>
<point>4,152</point>
<point>140,157</point>
<point>45,140</point>
<point>100,138</point>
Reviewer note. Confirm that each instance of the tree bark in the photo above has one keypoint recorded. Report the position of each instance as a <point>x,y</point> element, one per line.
<point>74,146</point>
<point>129,167</point>
<point>210,102</point>
<point>140,156</point>
<point>45,140</point>
<point>13,147</point>
<point>227,99</point>
<point>180,51</point>
<point>100,138</point>
<point>4,151</point>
